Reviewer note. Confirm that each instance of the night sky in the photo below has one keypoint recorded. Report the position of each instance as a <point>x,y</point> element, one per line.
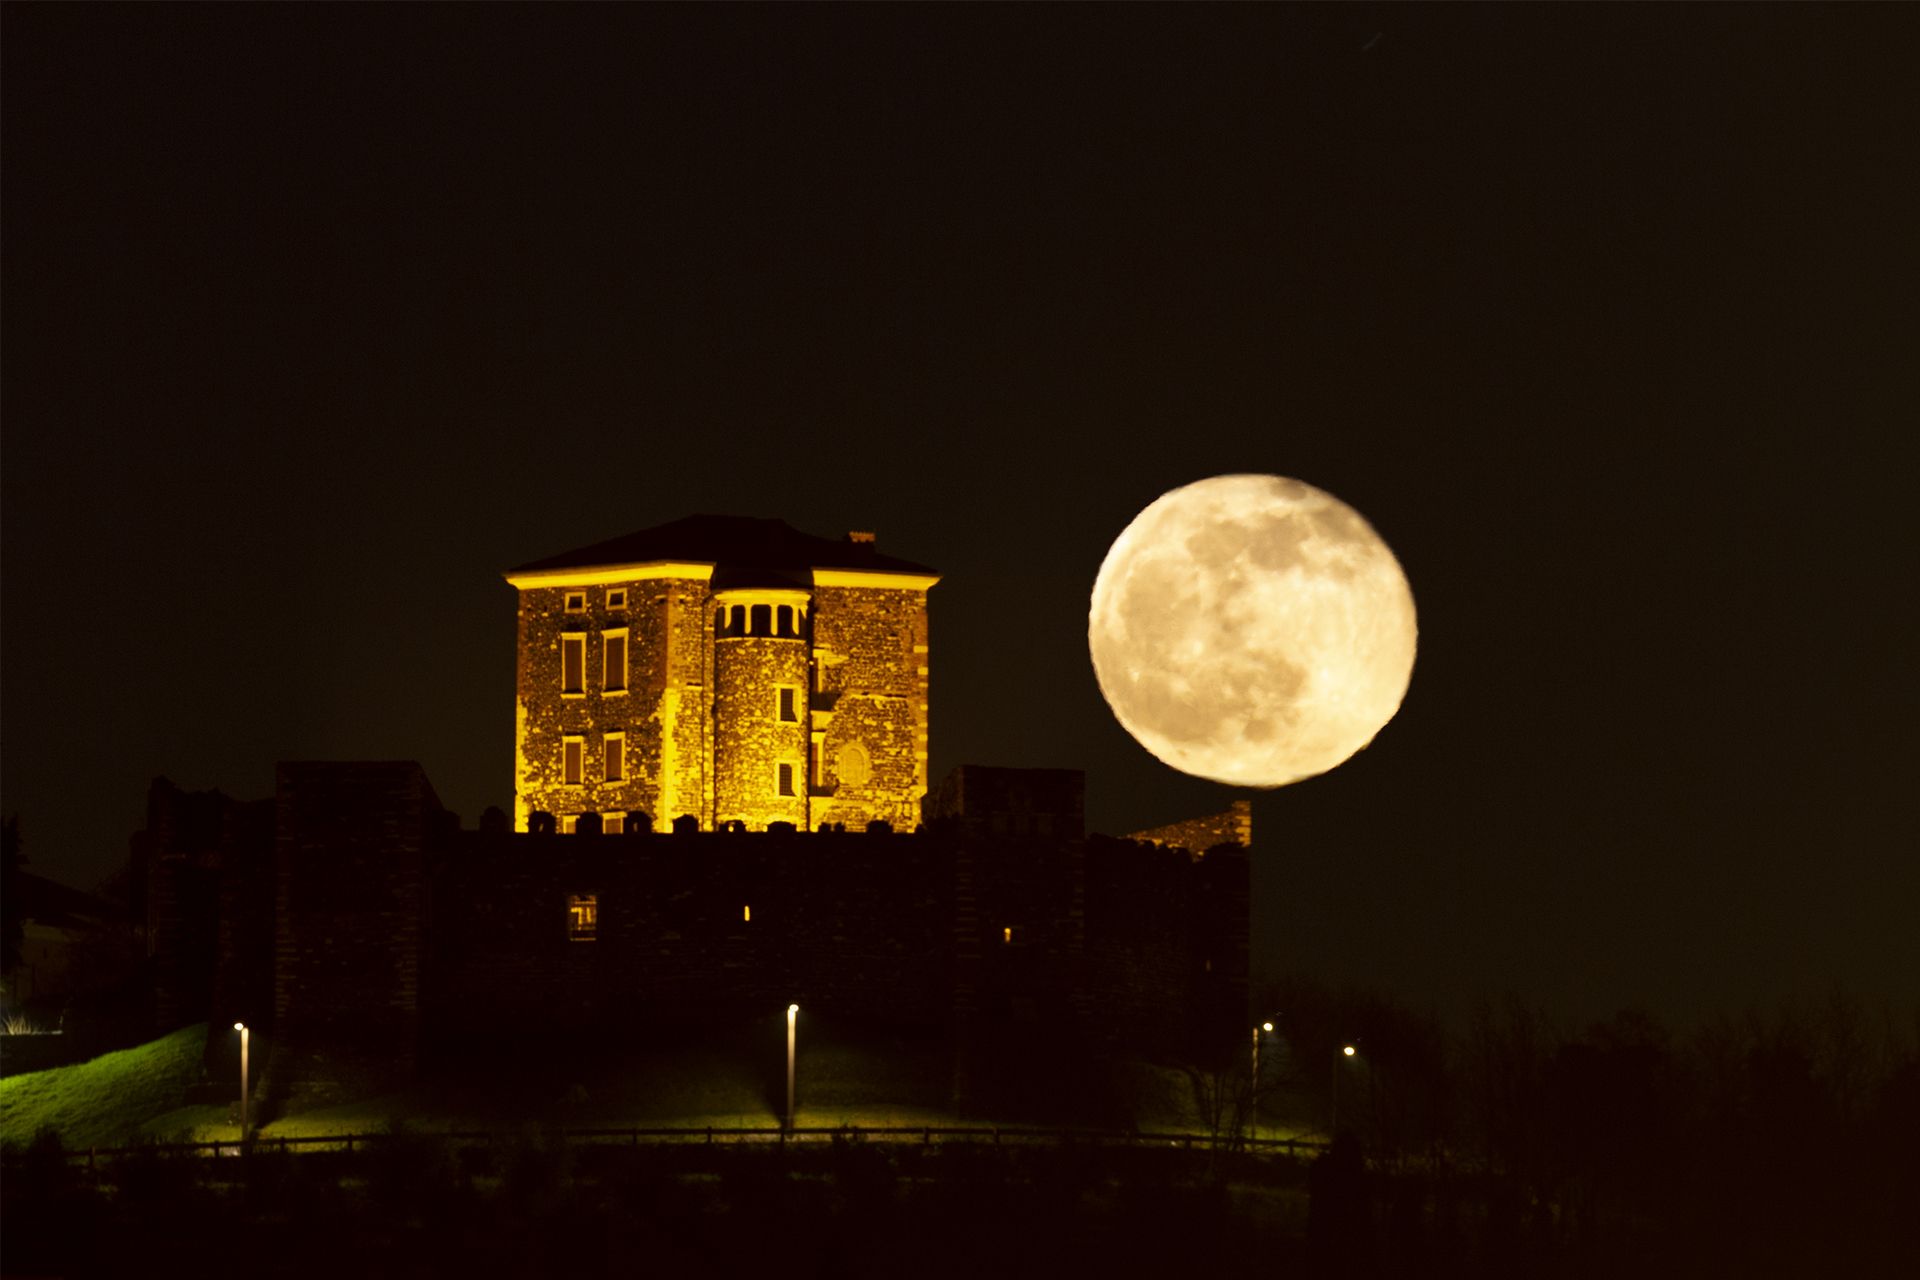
<point>318,318</point>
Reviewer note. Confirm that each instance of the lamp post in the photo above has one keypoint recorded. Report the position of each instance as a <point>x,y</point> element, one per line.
<point>241,1027</point>
<point>793,1013</point>
<point>1253,1088</point>
<point>1346,1051</point>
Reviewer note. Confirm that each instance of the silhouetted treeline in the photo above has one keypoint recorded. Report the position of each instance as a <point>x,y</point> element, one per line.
<point>1779,1143</point>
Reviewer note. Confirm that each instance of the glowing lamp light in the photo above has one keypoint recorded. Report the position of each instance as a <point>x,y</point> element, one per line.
<point>1266,1026</point>
<point>239,1026</point>
<point>1348,1050</point>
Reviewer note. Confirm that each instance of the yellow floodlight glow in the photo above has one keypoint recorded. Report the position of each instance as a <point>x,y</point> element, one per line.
<point>1348,1050</point>
<point>1266,1026</point>
<point>792,1009</point>
<point>239,1026</point>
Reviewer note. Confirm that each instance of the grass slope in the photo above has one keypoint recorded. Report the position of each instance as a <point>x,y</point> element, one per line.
<point>106,1101</point>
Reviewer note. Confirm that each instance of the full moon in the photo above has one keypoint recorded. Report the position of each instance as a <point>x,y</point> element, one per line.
<point>1252,630</point>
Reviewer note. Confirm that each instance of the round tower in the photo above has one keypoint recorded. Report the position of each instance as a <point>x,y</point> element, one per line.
<point>761,739</point>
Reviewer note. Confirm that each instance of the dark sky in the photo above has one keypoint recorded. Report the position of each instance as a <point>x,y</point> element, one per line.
<point>317,318</point>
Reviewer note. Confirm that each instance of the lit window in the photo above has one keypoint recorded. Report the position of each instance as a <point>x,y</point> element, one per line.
<point>746,913</point>
<point>572,757</point>
<point>569,824</point>
<point>616,757</point>
<point>583,916</point>
<point>576,602</point>
<point>613,673</point>
<point>789,703</point>
<point>617,598</point>
<point>786,779</point>
<point>613,823</point>
<point>573,663</point>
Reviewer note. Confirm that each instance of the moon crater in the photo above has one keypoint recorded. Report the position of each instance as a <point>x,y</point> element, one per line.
<point>1252,629</point>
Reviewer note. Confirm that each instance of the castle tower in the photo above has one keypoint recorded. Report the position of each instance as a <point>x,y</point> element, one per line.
<point>730,669</point>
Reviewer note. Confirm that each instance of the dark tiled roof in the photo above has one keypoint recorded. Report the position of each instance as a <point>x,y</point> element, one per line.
<point>735,542</point>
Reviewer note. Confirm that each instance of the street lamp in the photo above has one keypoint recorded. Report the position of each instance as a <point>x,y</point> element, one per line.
<point>241,1027</point>
<point>1346,1051</point>
<point>1253,1089</point>
<point>793,1012</point>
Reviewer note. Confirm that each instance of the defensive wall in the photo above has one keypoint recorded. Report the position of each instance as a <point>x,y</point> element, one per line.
<point>395,934</point>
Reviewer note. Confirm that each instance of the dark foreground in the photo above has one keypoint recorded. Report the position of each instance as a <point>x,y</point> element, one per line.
<point>417,1206</point>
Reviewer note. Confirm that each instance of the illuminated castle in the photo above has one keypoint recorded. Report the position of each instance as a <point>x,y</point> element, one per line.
<point>704,676</point>
<point>724,669</point>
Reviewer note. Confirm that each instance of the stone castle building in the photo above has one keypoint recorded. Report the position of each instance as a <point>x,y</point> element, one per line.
<point>726,669</point>
<point>722,806</point>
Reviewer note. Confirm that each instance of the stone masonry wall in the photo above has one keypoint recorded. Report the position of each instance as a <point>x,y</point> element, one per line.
<point>1197,835</point>
<point>691,928</point>
<point>872,650</point>
<point>350,914</point>
<point>750,740</point>
<point>661,712</point>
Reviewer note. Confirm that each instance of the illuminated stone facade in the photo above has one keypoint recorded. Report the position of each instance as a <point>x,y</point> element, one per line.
<point>1197,835</point>
<point>724,669</point>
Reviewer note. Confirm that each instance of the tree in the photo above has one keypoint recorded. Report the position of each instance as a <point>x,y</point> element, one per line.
<point>12,922</point>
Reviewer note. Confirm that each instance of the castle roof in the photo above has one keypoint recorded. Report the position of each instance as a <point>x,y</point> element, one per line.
<point>743,544</point>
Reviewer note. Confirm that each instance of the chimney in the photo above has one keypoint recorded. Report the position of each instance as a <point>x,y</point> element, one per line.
<point>860,535</point>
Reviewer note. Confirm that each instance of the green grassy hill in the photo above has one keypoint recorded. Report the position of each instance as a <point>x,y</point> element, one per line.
<point>105,1101</point>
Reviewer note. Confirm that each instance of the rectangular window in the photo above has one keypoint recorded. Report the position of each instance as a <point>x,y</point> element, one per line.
<point>573,753</point>
<point>569,824</point>
<point>613,672</point>
<point>573,664</point>
<point>616,597</point>
<point>813,761</point>
<point>616,757</point>
<point>576,602</point>
<point>583,916</point>
<point>786,779</point>
<point>789,703</point>
<point>613,823</point>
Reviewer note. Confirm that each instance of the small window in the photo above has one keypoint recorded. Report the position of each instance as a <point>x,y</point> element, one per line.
<point>616,757</point>
<point>786,779</point>
<point>746,913</point>
<point>789,703</point>
<point>576,602</point>
<point>573,753</point>
<point>583,916</point>
<point>573,664</point>
<point>613,671</point>
<point>569,824</point>
<point>613,823</point>
<point>616,597</point>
